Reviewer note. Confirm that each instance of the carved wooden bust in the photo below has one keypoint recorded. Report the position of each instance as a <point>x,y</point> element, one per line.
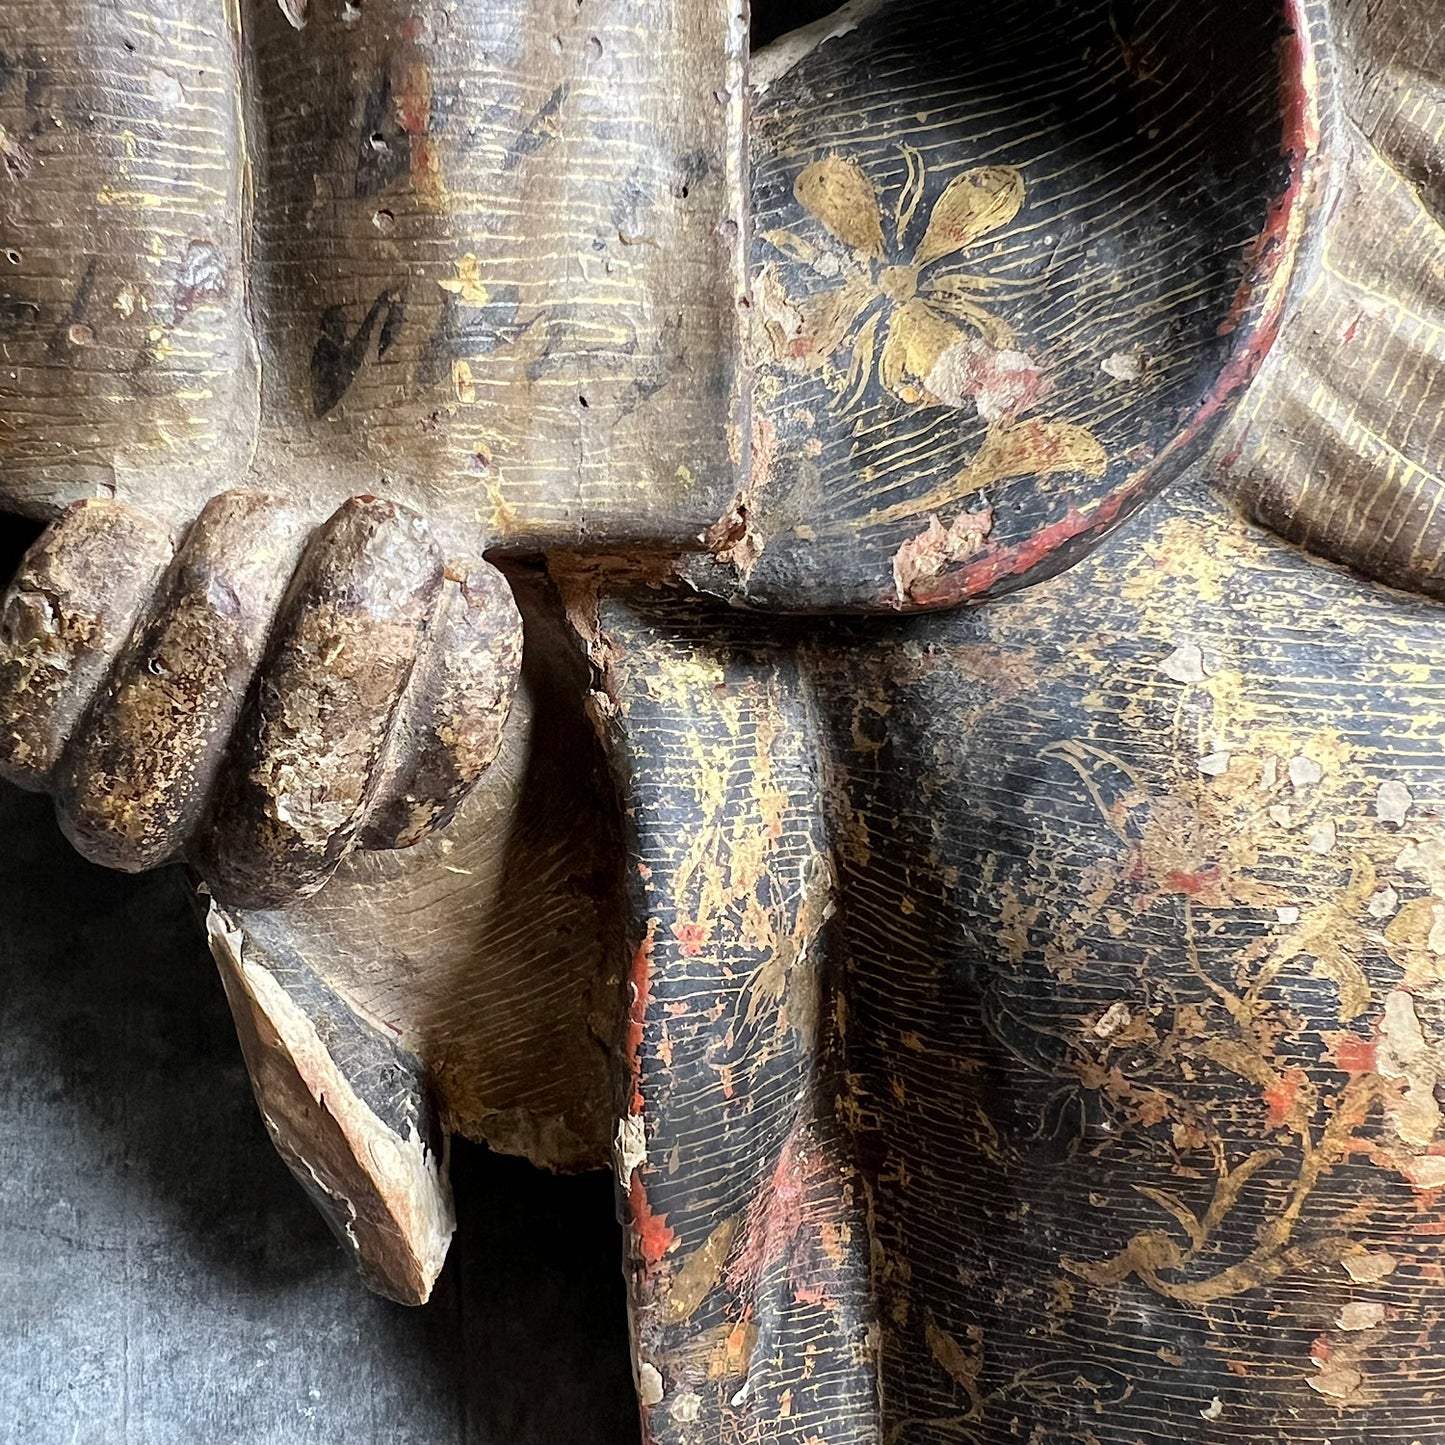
<point>850,631</point>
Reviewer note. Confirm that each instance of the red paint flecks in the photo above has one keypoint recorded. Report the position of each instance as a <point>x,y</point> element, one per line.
<point>414,101</point>
<point>993,566</point>
<point>691,937</point>
<point>1356,1056</point>
<point>786,1224</point>
<point>640,988</point>
<point>1001,383</point>
<point>1192,884</point>
<point>650,1229</point>
<point>1271,258</point>
<point>1280,1098</point>
<point>775,1218</point>
<point>1253,324</point>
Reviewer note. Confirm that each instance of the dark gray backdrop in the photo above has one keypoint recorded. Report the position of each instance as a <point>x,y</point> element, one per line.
<point>163,1280</point>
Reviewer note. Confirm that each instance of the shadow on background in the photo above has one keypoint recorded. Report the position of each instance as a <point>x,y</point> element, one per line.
<point>163,1280</point>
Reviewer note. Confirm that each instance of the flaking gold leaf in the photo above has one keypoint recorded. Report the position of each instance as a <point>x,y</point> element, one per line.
<point>699,1272</point>
<point>1024,449</point>
<point>830,316</point>
<point>972,206</point>
<point>836,193</point>
<point>993,329</point>
<point>917,337</point>
<point>962,1364</point>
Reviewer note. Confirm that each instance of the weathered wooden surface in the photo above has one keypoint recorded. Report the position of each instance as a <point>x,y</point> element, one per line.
<point>1032,1023</point>
<point>1339,445</point>
<point>285,693</point>
<point>1009,274</point>
<point>488,262</point>
<point>1036,1028</point>
<point>471,984</point>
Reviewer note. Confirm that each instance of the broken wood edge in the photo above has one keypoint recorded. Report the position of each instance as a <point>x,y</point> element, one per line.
<point>375,1166</point>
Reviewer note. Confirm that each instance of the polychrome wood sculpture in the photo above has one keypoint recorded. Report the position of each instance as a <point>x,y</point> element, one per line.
<point>1020,1021</point>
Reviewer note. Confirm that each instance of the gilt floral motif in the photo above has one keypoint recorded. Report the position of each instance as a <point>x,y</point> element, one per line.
<point>911,319</point>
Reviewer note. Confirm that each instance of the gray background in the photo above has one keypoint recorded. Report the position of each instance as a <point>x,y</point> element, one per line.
<point>164,1281</point>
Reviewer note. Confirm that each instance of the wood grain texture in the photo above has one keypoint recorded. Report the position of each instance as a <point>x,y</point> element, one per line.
<point>1134,970</point>
<point>136,776</point>
<point>1009,274</point>
<point>126,369</point>
<point>1339,446</point>
<point>487,263</point>
<point>748,1237</point>
<point>348,1109</point>
<point>66,614</point>
<point>544,203</point>
<point>493,950</point>
<point>1034,1020</point>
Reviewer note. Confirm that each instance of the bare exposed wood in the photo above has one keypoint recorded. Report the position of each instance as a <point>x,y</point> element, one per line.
<point>348,1111</point>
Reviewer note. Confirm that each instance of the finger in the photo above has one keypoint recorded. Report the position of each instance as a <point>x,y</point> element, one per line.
<point>63,619</point>
<point>450,726</point>
<point>134,781</point>
<point>314,735</point>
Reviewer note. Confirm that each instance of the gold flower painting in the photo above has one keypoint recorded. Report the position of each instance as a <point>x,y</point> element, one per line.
<point>916,320</point>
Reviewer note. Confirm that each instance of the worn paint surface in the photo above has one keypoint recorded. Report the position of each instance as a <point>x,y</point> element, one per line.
<point>1025,262</point>
<point>486,261</point>
<point>748,1250</point>
<point>1111,1114</point>
<point>1338,445</point>
<point>1033,1026</point>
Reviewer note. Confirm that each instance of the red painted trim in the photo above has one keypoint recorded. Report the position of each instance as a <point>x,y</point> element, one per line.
<point>1254,320</point>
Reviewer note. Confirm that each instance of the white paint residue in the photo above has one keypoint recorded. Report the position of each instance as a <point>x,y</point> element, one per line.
<point>1369,1267</point>
<point>1361,1315</point>
<point>1184,664</point>
<point>630,1147</point>
<point>1393,802</point>
<point>1123,366</point>
<point>1384,903</point>
<point>1304,772</point>
<point>776,60</point>
<point>686,1407</point>
<point>1116,1017</point>
<point>649,1384</point>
